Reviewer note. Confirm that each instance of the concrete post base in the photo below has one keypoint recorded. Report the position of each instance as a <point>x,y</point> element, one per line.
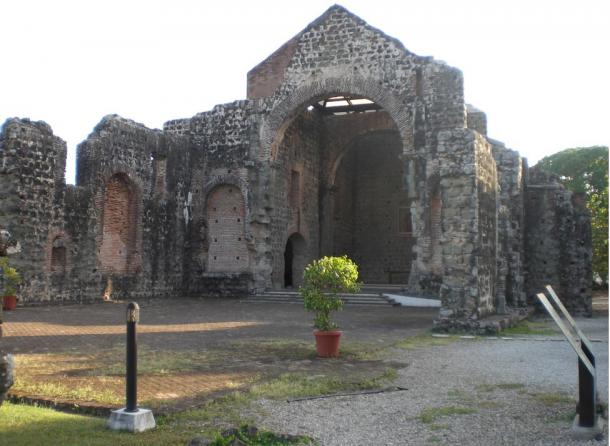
<point>139,421</point>
<point>587,433</point>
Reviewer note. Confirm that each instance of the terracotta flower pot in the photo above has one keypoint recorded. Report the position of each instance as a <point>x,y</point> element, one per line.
<point>327,343</point>
<point>9,303</point>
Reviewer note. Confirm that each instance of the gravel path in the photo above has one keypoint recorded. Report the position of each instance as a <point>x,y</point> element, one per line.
<point>506,392</point>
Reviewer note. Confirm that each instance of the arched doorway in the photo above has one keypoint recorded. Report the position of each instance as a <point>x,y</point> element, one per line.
<point>294,261</point>
<point>288,263</point>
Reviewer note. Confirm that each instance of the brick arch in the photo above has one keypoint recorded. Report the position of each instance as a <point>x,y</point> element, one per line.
<point>285,110</point>
<point>229,179</point>
<point>119,250</point>
<point>226,218</point>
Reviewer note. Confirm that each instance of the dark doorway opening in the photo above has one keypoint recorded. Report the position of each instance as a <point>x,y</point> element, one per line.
<point>288,260</point>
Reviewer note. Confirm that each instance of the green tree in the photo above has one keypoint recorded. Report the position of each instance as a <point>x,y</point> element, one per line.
<point>323,280</point>
<point>585,169</point>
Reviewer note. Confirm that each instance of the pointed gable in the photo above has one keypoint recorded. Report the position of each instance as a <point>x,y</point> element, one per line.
<point>337,37</point>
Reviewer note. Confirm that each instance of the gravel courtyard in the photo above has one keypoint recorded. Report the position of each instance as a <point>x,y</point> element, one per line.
<point>469,392</point>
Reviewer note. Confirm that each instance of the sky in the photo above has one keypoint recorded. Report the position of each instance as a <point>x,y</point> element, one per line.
<point>539,69</point>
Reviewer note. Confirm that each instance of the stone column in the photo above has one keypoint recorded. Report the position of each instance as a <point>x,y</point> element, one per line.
<point>468,183</point>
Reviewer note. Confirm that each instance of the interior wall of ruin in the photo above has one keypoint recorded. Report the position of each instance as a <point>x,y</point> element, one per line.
<point>296,180</point>
<point>368,197</point>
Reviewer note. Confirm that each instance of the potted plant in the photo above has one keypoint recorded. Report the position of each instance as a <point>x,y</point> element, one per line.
<point>323,279</point>
<point>12,279</point>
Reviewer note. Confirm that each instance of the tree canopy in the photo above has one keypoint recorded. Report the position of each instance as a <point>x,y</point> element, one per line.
<point>585,169</point>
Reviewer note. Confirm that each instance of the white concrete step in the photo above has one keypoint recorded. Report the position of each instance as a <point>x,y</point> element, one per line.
<point>409,301</point>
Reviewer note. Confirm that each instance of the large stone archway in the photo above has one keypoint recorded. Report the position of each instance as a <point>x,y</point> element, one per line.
<point>329,175</point>
<point>285,108</point>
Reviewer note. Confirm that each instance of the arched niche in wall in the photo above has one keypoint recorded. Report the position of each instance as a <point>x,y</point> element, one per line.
<point>226,215</point>
<point>119,247</point>
<point>59,254</point>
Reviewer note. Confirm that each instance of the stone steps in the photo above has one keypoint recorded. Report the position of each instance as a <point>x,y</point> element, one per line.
<point>293,297</point>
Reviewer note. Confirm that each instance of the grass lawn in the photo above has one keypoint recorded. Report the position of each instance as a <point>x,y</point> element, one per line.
<point>530,327</point>
<point>29,425</point>
<point>23,425</point>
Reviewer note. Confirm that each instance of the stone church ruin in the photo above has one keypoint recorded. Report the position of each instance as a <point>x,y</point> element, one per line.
<point>347,143</point>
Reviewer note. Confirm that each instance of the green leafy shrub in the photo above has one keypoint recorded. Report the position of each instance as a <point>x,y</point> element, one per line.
<point>12,278</point>
<point>323,280</point>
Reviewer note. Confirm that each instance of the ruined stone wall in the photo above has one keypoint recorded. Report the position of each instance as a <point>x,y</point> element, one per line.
<point>267,76</point>
<point>32,162</point>
<point>220,142</point>
<point>511,275</point>
<point>341,54</point>
<point>468,200</point>
<point>124,151</point>
<point>557,242</point>
<point>86,241</point>
<point>476,119</point>
<point>152,215</point>
<point>486,245</point>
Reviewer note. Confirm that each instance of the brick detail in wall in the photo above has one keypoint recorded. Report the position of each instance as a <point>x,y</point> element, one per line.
<point>436,260</point>
<point>119,226</point>
<point>226,212</point>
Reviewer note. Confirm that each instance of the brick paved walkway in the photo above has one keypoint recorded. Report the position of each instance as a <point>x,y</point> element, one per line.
<point>189,349</point>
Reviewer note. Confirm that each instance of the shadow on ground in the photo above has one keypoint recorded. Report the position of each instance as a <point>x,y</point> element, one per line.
<point>191,350</point>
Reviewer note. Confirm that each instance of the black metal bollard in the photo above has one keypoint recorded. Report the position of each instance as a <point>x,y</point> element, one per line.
<point>131,374</point>
<point>586,389</point>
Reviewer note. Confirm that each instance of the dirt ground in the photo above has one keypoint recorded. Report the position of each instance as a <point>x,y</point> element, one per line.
<point>190,350</point>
